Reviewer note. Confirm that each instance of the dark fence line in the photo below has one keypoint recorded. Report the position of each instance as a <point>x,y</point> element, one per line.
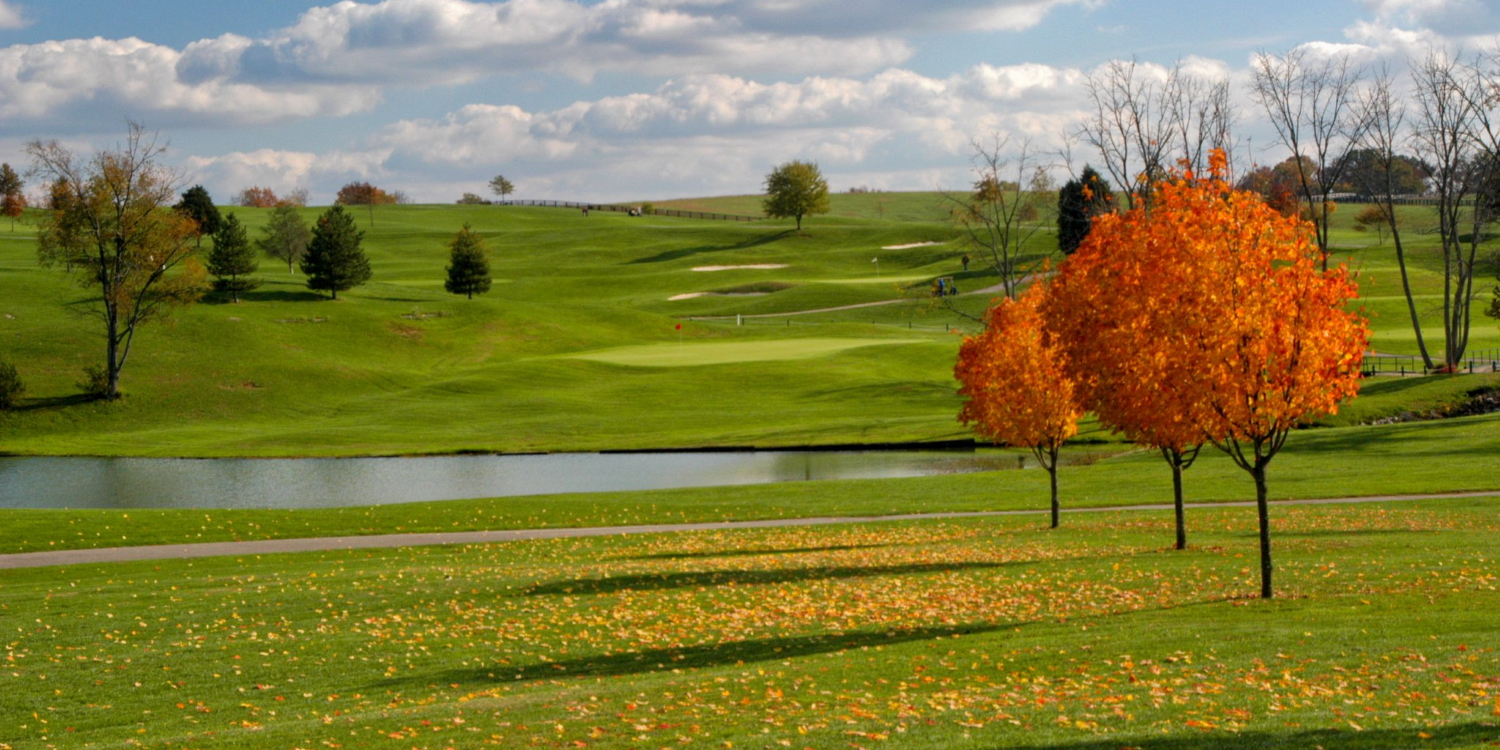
<point>1399,200</point>
<point>616,208</point>
<point>1404,364</point>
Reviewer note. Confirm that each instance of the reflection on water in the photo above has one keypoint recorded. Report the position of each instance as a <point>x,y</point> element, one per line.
<point>321,483</point>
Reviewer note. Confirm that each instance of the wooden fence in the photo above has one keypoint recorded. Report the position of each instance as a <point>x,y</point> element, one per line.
<point>617,208</point>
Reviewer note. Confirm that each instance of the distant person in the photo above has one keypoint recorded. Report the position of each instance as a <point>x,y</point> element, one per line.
<point>966,261</point>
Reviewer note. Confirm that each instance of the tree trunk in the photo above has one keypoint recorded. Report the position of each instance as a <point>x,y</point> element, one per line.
<point>1051,466</point>
<point>1176,461</point>
<point>1411,303</point>
<point>111,352</point>
<point>1263,510</point>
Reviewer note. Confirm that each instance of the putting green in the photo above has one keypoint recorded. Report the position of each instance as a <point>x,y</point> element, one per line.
<point>723,353</point>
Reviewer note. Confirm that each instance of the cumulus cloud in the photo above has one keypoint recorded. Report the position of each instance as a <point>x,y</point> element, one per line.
<point>426,42</point>
<point>59,83</point>
<point>11,17</point>
<point>284,171</point>
<point>693,135</point>
<point>1444,17</point>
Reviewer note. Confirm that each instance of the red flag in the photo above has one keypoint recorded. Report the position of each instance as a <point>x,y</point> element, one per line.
<point>679,326</point>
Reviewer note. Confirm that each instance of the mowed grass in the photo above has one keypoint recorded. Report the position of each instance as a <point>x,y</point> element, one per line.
<point>981,634</point>
<point>400,367</point>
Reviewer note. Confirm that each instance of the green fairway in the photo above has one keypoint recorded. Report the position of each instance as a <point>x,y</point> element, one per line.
<point>289,373</point>
<point>975,634</point>
<point>677,355</point>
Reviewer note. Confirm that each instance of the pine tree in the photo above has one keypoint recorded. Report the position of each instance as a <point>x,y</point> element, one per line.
<point>232,259</point>
<point>1077,207</point>
<point>469,269</point>
<point>334,259</point>
<point>196,204</point>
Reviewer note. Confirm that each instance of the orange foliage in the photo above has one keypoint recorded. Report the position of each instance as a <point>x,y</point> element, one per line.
<point>257,197</point>
<point>1209,319</point>
<point>1015,380</point>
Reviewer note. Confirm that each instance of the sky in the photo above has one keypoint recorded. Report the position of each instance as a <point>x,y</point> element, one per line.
<point>621,100</point>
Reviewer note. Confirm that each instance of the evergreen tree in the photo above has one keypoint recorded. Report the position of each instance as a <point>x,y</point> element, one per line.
<point>1077,207</point>
<point>285,236</point>
<point>469,269</point>
<point>334,259</point>
<point>232,259</point>
<point>196,204</point>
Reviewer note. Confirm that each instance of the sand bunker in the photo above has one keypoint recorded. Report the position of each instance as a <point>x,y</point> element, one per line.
<point>912,245</point>
<point>731,268</point>
<point>695,295</point>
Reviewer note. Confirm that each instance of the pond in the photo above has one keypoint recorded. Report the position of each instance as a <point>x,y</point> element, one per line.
<point>42,482</point>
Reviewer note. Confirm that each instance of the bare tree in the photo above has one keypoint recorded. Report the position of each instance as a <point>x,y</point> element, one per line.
<point>1455,134</point>
<point>1005,210</point>
<point>1384,117</point>
<point>1312,107</point>
<point>112,225</point>
<point>1131,126</point>
<point>1202,116</point>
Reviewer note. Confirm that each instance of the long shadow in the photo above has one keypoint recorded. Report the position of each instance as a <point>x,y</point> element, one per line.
<point>1472,734</point>
<point>750,552</point>
<point>685,252</point>
<point>280,295</point>
<point>694,657</point>
<point>666,581</point>
<point>54,402</point>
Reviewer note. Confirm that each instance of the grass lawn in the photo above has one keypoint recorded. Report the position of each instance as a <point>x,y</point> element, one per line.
<point>978,634</point>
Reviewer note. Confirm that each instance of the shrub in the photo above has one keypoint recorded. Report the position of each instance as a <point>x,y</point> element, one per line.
<point>11,387</point>
<point>647,209</point>
<point>95,382</point>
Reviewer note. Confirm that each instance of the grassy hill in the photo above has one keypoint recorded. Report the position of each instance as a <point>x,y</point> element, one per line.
<point>576,348</point>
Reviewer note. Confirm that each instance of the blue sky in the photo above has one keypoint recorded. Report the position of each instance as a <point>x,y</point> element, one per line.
<point>626,99</point>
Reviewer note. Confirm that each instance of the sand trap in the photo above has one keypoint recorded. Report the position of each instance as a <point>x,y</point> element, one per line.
<point>762,266</point>
<point>912,245</point>
<point>695,295</point>
<point>674,354</point>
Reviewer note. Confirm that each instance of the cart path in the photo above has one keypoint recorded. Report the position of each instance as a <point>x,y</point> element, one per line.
<point>996,289</point>
<point>387,541</point>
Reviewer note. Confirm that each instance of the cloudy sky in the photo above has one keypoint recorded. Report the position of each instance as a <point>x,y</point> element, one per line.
<point>630,99</point>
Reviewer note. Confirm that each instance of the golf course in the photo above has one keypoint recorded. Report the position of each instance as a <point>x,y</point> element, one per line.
<point>612,332</point>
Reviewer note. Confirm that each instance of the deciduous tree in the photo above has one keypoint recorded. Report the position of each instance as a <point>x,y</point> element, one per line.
<point>334,261</point>
<point>232,260</point>
<point>1015,381</point>
<point>1264,333</point>
<point>285,236</point>
<point>1010,187</point>
<point>257,197</point>
<point>468,264</point>
<point>367,195</point>
<point>11,387</point>
<point>113,226</point>
<point>12,194</point>
<point>502,187</point>
<point>794,190</point>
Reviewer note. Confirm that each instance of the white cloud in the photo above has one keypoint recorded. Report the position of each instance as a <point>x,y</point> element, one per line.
<point>694,135</point>
<point>62,82</point>
<point>11,16</point>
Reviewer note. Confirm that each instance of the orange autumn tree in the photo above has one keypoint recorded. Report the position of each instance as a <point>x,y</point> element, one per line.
<point>1237,324</point>
<point>1015,381</point>
<point>1126,364</point>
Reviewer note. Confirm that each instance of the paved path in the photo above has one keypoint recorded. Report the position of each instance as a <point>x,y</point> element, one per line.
<point>990,290</point>
<point>385,541</point>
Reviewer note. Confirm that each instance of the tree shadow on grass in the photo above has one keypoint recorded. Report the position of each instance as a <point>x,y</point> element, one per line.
<point>1472,734</point>
<point>695,657</point>
<point>278,295</point>
<point>751,552</point>
<point>55,402</point>
<point>686,252</point>
<point>666,581</point>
